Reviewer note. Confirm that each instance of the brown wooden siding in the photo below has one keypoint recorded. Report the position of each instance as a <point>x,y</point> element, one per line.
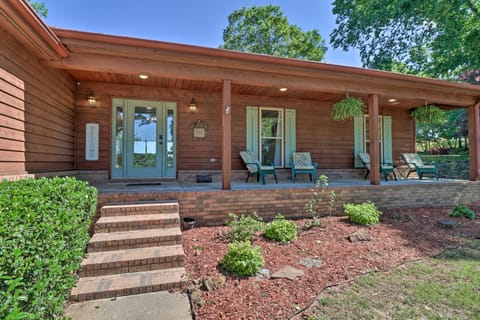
<point>36,113</point>
<point>330,142</point>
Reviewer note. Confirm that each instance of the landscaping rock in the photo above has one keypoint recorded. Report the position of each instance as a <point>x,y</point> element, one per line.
<point>196,298</point>
<point>263,274</point>
<point>402,217</point>
<point>359,235</point>
<point>448,224</point>
<point>311,262</point>
<point>287,272</point>
<point>212,284</point>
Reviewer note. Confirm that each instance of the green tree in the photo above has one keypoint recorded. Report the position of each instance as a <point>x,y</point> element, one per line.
<point>39,7</point>
<point>266,30</point>
<point>438,38</point>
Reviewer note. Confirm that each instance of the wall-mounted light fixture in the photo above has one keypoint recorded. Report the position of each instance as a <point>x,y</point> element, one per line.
<point>92,101</point>
<point>192,106</point>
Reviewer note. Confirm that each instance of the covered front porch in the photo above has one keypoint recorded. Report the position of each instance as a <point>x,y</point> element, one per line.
<point>210,204</point>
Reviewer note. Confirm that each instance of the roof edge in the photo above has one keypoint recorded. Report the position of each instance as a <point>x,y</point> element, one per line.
<point>254,57</point>
<point>37,24</point>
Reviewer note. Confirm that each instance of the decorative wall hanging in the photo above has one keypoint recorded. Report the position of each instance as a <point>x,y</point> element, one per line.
<point>91,141</point>
<point>199,129</point>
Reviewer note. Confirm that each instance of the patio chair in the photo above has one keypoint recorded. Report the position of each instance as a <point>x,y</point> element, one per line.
<point>302,164</point>
<point>415,164</point>
<point>385,168</point>
<point>256,168</point>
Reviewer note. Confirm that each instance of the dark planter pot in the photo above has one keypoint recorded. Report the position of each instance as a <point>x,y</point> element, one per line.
<point>188,223</point>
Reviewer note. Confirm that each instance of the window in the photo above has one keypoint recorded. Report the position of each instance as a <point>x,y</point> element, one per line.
<point>271,134</point>
<point>362,142</point>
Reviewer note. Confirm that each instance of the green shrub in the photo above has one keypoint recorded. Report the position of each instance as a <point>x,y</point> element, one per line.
<point>462,211</point>
<point>281,230</point>
<point>244,227</point>
<point>365,214</point>
<point>43,233</point>
<point>243,258</point>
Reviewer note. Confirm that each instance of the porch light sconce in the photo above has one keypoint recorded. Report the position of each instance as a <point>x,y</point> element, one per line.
<point>227,110</point>
<point>92,101</point>
<point>192,106</point>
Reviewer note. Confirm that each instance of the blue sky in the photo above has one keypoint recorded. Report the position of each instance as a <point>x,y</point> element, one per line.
<point>194,22</point>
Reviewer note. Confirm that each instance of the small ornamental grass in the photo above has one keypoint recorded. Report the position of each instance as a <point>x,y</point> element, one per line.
<point>462,211</point>
<point>243,258</point>
<point>281,230</point>
<point>365,214</point>
<point>243,228</point>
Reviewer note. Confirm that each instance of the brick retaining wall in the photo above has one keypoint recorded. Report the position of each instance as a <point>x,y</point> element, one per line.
<point>212,207</point>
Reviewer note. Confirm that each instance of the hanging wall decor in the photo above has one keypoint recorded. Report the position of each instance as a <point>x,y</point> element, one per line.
<point>199,129</point>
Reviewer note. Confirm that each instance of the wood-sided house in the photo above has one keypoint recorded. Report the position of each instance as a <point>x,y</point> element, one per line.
<point>112,108</point>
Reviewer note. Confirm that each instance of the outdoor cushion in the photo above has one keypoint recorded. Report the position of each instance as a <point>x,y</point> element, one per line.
<point>302,163</point>
<point>254,166</point>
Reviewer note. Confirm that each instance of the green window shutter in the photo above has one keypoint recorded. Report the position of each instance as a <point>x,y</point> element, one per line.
<point>358,140</point>
<point>387,139</point>
<point>252,130</point>
<point>290,135</point>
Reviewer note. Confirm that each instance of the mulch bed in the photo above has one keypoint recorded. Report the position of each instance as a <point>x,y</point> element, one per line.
<point>403,235</point>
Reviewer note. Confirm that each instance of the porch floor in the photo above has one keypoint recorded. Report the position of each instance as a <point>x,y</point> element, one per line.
<point>176,186</point>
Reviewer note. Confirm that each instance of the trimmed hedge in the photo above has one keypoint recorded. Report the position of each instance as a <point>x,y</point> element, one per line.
<point>44,227</point>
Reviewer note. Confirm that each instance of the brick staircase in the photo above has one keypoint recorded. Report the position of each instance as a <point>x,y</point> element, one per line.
<point>136,248</point>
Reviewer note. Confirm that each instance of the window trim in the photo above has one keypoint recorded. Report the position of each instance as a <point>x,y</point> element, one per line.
<point>261,137</point>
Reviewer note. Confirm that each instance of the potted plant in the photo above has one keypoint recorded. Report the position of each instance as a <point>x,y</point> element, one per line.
<point>347,108</point>
<point>428,115</point>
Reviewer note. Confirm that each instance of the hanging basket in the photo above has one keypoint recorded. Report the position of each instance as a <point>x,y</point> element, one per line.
<point>428,115</point>
<point>347,109</point>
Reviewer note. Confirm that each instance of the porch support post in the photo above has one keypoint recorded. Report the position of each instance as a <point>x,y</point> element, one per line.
<point>373,137</point>
<point>227,135</point>
<point>474,140</point>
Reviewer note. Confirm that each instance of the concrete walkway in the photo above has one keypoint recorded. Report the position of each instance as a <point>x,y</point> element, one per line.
<point>149,306</point>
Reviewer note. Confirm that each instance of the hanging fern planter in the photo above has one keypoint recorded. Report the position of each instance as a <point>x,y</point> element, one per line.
<point>347,108</point>
<point>428,115</point>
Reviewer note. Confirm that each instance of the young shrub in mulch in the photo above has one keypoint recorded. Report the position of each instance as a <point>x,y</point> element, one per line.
<point>281,230</point>
<point>462,211</point>
<point>43,233</point>
<point>243,228</point>
<point>365,214</point>
<point>243,258</point>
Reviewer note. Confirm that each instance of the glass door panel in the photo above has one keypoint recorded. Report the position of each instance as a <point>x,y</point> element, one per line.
<point>271,149</point>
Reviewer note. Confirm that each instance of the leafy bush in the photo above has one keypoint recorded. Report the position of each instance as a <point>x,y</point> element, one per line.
<point>462,211</point>
<point>243,258</point>
<point>244,227</point>
<point>365,214</point>
<point>43,233</point>
<point>281,230</point>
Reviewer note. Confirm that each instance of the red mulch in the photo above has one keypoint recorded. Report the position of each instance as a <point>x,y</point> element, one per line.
<point>393,242</point>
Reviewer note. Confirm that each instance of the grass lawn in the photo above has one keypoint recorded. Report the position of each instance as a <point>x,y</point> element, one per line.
<point>444,287</point>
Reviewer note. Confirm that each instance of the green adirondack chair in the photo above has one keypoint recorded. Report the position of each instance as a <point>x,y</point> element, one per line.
<point>256,168</point>
<point>415,164</point>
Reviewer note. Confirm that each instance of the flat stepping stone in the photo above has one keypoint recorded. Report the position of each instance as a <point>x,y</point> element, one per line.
<point>311,262</point>
<point>359,235</point>
<point>448,224</point>
<point>287,272</point>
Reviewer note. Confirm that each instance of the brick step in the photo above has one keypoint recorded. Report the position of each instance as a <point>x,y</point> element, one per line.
<point>122,240</point>
<point>137,222</point>
<point>132,260</point>
<point>127,284</point>
<point>133,208</point>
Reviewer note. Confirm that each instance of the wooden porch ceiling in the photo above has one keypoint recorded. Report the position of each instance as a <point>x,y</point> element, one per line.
<point>237,89</point>
<point>113,59</point>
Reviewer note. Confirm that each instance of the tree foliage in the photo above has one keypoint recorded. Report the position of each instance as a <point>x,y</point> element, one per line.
<point>438,38</point>
<point>39,7</point>
<point>266,30</point>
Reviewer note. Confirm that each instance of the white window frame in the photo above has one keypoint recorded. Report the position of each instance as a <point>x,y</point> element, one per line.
<point>261,137</point>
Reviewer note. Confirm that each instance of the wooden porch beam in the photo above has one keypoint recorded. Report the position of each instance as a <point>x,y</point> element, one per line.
<point>313,82</point>
<point>374,140</point>
<point>227,135</point>
<point>474,140</point>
